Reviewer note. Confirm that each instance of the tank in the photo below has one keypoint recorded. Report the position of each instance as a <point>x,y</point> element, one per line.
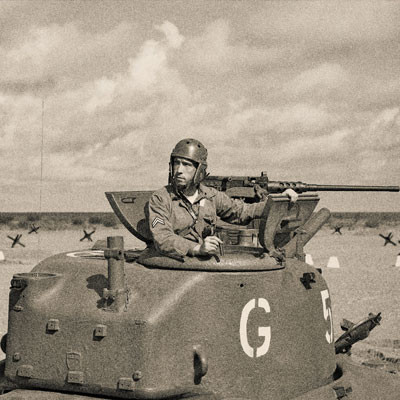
<point>251,322</point>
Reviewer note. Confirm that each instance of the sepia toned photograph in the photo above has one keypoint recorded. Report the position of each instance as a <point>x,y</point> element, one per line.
<point>199,199</point>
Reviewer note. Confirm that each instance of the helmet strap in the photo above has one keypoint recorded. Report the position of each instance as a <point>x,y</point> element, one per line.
<point>200,173</point>
<point>199,176</point>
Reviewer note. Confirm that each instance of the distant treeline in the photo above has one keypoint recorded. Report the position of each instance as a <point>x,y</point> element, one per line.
<point>57,220</point>
<point>364,219</point>
<point>71,220</point>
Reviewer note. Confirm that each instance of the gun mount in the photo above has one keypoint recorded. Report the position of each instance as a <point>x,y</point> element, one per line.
<point>355,332</point>
<point>254,323</point>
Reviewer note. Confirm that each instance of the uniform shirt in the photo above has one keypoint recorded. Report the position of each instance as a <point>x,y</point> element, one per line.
<point>177,226</point>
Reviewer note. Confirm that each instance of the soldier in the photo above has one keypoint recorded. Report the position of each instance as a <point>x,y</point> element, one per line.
<point>182,215</point>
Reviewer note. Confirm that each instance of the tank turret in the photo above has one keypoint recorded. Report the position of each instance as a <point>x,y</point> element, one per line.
<point>254,322</point>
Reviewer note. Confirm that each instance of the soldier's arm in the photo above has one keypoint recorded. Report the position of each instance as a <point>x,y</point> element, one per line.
<point>236,211</point>
<point>164,237</point>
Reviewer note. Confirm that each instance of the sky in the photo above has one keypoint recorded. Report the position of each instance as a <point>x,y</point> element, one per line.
<point>95,94</point>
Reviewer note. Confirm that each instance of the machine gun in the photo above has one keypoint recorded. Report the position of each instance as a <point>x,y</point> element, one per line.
<point>356,332</point>
<point>286,228</point>
<point>257,187</point>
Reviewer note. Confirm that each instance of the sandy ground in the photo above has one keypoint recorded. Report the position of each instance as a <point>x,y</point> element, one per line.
<point>366,281</point>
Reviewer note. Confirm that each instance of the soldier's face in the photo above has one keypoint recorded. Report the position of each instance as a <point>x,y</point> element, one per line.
<point>183,171</point>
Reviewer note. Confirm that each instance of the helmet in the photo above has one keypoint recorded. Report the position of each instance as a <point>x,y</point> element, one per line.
<point>193,150</point>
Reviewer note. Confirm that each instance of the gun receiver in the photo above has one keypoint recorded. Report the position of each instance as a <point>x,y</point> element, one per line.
<point>244,186</point>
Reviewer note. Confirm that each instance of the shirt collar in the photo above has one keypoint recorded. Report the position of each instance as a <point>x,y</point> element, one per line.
<point>204,193</point>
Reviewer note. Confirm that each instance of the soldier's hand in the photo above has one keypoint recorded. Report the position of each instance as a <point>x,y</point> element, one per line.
<point>208,247</point>
<point>293,196</point>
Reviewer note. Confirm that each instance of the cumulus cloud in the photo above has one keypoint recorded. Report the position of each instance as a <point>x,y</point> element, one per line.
<point>172,35</point>
<point>299,119</point>
<point>324,23</point>
<point>58,54</point>
<point>324,77</point>
<point>103,94</point>
<point>324,145</point>
<point>81,121</point>
<point>383,132</point>
<point>215,51</point>
<point>117,97</point>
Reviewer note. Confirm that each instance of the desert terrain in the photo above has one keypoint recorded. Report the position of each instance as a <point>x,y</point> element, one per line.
<point>367,280</point>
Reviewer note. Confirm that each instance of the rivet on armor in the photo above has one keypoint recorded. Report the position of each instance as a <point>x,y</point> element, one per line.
<point>126,384</point>
<point>137,375</point>
<point>25,371</point>
<point>18,308</point>
<point>75,377</point>
<point>53,325</point>
<point>100,331</point>
<point>16,356</point>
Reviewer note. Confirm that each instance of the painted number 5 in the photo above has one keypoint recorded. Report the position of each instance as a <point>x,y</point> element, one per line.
<point>327,315</point>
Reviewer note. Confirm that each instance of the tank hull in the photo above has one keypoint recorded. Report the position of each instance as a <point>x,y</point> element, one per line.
<point>232,333</point>
<point>206,331</point>
<point>353,380</point>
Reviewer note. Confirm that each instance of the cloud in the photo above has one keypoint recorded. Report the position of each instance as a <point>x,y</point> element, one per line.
<point>300,119</point>
<point>326,23</point>
<point>146,67</point>
<point>102,96</point>
<point>91,130</point>
<point>61,54</point>
<point>324,145</point>
<point>215,51</point>
<point>383,133</point>
<point>324,77</point>
<point>118,97</point>
<point>172,35</point>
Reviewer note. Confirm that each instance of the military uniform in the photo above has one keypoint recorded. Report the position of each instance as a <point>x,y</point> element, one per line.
<point>177,226</point>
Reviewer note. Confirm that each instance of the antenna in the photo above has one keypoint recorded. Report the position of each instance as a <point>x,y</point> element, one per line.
<point>41,163</point>
<point>41,169</point>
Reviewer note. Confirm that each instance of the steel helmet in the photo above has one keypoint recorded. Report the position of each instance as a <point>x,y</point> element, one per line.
<point>193,150</point>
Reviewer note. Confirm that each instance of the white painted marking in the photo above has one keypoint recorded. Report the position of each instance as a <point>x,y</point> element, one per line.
<point>87,254</point>
<point>263,331</point>
<point>327,314</point>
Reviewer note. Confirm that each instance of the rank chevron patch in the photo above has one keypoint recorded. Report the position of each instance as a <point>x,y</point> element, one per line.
<point>157,220</point>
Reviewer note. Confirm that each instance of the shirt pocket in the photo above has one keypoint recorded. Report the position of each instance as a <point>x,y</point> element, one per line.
<point>181,219</point>
<point>209,213</point>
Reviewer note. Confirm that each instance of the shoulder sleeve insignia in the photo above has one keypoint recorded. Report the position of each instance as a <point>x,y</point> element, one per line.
<point>157,220</point>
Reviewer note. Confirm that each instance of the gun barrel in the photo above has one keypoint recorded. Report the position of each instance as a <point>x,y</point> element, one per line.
<point>276,186</point>
<point>345,188</point>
